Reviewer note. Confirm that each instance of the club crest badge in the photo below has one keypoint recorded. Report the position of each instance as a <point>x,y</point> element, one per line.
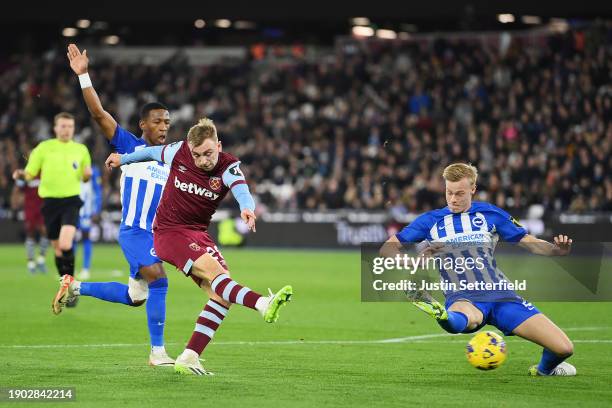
<point>215,183</point>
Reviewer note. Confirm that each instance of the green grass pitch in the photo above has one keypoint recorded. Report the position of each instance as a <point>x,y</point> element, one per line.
<point>325,350</point>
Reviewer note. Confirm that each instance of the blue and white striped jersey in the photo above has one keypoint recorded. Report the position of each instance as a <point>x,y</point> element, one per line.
<point>472,234</point>
<point>142,184</point>
<point>91,194</point>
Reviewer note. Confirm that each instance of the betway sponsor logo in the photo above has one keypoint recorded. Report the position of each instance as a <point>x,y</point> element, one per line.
<point>194,189</point>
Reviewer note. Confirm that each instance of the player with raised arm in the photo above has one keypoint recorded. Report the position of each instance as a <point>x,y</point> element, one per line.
<point>465,311</point>
<point>141,188</point>
<point>200,177</point>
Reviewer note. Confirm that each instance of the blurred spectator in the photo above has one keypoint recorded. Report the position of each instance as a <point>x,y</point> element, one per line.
<point>367,130</point>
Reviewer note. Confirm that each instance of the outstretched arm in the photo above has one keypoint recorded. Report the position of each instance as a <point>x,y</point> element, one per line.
<point>562,245</point>
<point>163,154</point>
<point>79,63</point>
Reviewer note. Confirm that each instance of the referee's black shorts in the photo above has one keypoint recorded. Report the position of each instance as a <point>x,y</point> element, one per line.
<point>60,211</point>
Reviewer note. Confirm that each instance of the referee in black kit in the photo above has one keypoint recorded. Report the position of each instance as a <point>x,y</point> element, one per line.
<point>62,164</point>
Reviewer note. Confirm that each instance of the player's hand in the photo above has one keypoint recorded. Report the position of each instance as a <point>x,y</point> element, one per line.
<point>249,218</point>
<point>19,174</point>
<point>113,160</point>
<point>87,172</point>
<point>78,61</point>
<point>563,244</point>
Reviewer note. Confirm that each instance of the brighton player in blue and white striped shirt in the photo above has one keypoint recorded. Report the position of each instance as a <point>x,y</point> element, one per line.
<point>469,229</point>
<point>91,195</point>
<point>141,189</point>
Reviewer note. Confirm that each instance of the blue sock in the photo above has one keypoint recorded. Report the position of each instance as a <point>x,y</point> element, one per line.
<point>549,361</point>
<point>87,247</point>
<point>156,310</point>
<point>110,291</point>
<point>456,323</point>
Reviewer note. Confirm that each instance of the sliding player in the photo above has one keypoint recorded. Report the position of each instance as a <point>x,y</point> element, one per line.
<point>482,224</point>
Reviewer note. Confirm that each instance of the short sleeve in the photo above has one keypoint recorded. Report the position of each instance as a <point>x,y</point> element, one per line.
<point>86,160</point>
<point>416,231</point>
<point>34,161</point>
<point>124,141</point>
<point>507,226</point>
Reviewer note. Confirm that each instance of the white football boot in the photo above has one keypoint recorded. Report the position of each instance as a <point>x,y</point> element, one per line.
<point>188,363</point>
<point>160,358</point>
<point>563,369</point>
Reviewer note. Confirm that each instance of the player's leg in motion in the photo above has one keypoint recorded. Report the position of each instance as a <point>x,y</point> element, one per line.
<point>557,346</point>
<point>64,253</point>
<point>146,284</point>
<point>223,291</point>
<point>459,317</point>
<point>208,322</point>
<point>208,268</point>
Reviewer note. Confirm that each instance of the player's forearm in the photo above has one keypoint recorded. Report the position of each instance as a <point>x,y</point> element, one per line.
<point>539,246</point>
<point>152,153</point>
<point>391,248</point>
<point>243,197</point>
<point>102,117</point>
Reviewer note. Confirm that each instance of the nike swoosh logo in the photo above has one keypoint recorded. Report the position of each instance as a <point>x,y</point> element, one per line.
<point>441,227</point>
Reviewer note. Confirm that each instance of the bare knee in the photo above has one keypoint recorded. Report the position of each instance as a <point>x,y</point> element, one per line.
<point>208,268</point>
<point>565,349</point>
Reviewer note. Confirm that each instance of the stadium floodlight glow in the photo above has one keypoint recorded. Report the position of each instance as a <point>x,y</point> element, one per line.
<point>70,32</point>
<point>199,23</point>
<point>244,25</point>
<point>360,21</point>
<point>559,25</point>
<point>386,34</point>
<point>402,35</point>
<point>363,31</point>
<point>505,18</point>
<point>531,20</point>
<point>83,23</point>
<point>223,23</point>
<point>111,39</point>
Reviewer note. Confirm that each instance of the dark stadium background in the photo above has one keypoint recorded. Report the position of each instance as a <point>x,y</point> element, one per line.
<point>357,177</point>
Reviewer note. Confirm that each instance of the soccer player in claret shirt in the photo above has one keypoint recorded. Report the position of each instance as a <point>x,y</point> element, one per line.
<point>470,229</point>
<point>200,177</point>
<point>34,224</point>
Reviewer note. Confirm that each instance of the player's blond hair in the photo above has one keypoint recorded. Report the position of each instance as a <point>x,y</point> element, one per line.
<point>204,129</point>
<point>458,171</point>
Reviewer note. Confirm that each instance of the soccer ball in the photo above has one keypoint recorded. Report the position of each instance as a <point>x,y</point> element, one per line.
<point>486,350</point>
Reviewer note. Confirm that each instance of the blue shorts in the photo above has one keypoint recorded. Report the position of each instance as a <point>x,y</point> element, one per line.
<point>137,246</point>
<point>506,316</point>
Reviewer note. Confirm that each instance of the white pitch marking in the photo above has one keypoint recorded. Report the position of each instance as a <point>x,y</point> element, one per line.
<point>423,338</point>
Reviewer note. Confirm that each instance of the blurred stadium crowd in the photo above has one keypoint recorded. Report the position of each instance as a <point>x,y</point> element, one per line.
<point>367,129</point>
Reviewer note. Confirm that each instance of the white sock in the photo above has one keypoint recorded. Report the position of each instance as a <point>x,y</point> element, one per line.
<point>158,349</point>
<point>262,303</point>
<point>76,287</point>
